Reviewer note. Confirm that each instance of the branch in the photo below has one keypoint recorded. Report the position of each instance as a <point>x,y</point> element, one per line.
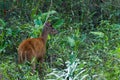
<point>48,13</point>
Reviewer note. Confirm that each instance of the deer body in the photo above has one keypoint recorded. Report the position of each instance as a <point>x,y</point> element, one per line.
<point>35,47</point>
<point>31,48</point>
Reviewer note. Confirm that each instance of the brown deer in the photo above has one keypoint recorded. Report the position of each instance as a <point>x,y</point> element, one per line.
<point>35,48</point>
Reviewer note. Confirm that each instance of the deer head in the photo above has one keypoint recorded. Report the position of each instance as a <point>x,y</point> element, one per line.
<point>49,28</point>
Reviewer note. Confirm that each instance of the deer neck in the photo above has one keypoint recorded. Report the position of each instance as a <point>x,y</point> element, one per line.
<point>44,35</point>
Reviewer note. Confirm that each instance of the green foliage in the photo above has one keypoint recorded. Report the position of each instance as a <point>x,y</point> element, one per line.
<point>13,71</point>
<point>39,21</point>
<point>99,34</point>
<point>72,72</point>
<point>86,48</point>
<point>75,70</point>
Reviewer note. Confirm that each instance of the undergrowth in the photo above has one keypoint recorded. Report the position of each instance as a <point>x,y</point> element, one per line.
<point>73,56</point>
<point>86,48</point>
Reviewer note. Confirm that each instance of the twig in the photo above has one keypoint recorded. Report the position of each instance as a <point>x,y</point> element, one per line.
<point>48,13</point>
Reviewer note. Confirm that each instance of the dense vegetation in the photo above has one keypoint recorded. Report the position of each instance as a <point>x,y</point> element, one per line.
<point>86,48</point>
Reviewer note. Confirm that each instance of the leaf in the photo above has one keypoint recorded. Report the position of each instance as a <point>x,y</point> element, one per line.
<point>71,41</point>
<point>116,26</point>
<point>52,12</point>
<point>1,28</point>
<point>59,23</point>
<point>44,15</point>
<point>100,34</point>
<point>72,57</point>
<point>49,37</point>
<point>2,23</point>
<point>117,52</point>
<point>37,22</point>
<point>33,12</point>
<point>9,31</point>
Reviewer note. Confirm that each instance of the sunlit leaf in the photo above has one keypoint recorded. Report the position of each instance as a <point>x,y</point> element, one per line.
<point>100,34</point>
<point>71,41</point>
<point>37,22</point>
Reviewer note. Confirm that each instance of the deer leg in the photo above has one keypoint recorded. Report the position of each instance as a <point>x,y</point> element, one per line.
<point>33,63</point>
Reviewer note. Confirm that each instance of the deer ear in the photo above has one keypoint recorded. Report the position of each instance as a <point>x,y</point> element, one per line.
<point>48,24</point>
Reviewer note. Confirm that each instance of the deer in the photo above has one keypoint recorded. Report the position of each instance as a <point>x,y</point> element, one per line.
<point>35,48</point>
